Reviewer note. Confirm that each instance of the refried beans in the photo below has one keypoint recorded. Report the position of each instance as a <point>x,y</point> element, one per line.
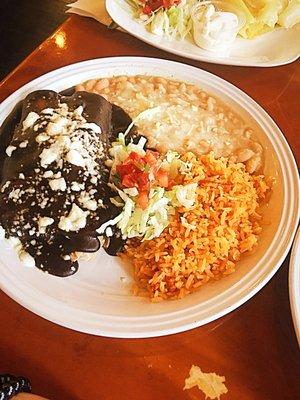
<point>188,118</point>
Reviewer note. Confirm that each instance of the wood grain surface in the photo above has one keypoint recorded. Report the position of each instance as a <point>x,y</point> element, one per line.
<point>24,25</point>
<point>254,347</point>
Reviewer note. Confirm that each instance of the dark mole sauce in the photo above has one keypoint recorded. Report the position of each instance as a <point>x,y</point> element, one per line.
<point>48,249</point>
<point>6,132</point>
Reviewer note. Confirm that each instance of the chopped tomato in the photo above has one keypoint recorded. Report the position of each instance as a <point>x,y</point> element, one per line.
<point>134,157</point>
<point>171,183</point>
<point>162,178</point>
<point>136,170</point>
<point>143,182</point>
<point>128,181</point>
<point>143,200</point>
<point>126,169</point>
<point>151,157</point>
<point>147,10</point>
<point>132,172</point>
<point>153,5</point>
<point>169,3</point>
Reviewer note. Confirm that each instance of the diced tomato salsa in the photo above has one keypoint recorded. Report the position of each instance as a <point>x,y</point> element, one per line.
<point>153,5</point>
<point>142,172</point>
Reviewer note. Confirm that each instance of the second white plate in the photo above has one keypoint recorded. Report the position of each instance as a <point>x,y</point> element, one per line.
<point>279,47</point>
<point>294,284</point>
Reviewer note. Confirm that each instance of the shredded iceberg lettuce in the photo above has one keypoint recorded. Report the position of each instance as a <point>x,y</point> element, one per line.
<point>183,195</point>
<point>290,16</point>
<point>173,22</point>
<point>149,223</point>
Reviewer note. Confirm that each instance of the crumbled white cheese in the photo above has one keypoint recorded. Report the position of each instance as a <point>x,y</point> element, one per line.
<point>42,137</point>
<point>77,145</point>
<point>48,174</point>
<point>26,259</point>
<point>76,187</point>
<point>70,139</point>
<point>94,180</point>
<point>2,233</point>
<point>64,142</point>
<point>47,111</point>
<point>88,203</point>
<point>15,194</point>
<point>75,158</point>
<point>21,176</point>
<point>74,221</point>
<point>78,111</point>
<point>31,118</point>
<point>48,156</point>
<point>57,127</point>
<point>45,221</point>
<point>60,120</point>
<point>5,186</point>
<point>23,144</point>
<point>58,184</point>
<point>108,232</point>
<point>44,203</point>
<point>91,125</point>
<point>63,109</point>
<point>10,150</point>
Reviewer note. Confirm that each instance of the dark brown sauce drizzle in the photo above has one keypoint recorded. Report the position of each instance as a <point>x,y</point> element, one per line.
<point>48,249</point>
<point>6,132</point>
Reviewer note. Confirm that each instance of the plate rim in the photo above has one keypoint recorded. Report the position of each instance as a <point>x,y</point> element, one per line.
<point>110,4</point>
<point>235,304</point>
<point>294,284</point>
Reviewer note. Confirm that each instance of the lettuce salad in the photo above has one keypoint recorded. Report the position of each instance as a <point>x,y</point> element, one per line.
<point>148,219</point>
<point>173,18</point>
<point>172,21</point>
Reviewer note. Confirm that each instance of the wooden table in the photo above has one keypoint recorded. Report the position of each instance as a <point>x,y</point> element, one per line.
<point>254,347</point>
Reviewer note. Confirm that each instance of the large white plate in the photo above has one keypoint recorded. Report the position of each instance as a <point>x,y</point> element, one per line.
<point>97,299</point>
<point>294,284</point>
<point>282,46</point>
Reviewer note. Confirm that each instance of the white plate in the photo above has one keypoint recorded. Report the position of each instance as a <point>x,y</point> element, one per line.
<point>96,299</point>
<point>294,284</point>
<point>282,46</point>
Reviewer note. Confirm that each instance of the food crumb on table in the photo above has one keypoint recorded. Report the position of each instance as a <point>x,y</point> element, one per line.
<point>211,384</point>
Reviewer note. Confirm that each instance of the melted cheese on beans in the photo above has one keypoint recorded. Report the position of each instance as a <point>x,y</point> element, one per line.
<point>188,119</point>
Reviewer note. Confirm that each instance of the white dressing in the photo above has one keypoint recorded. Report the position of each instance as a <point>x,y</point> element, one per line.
<point>214,30</point>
